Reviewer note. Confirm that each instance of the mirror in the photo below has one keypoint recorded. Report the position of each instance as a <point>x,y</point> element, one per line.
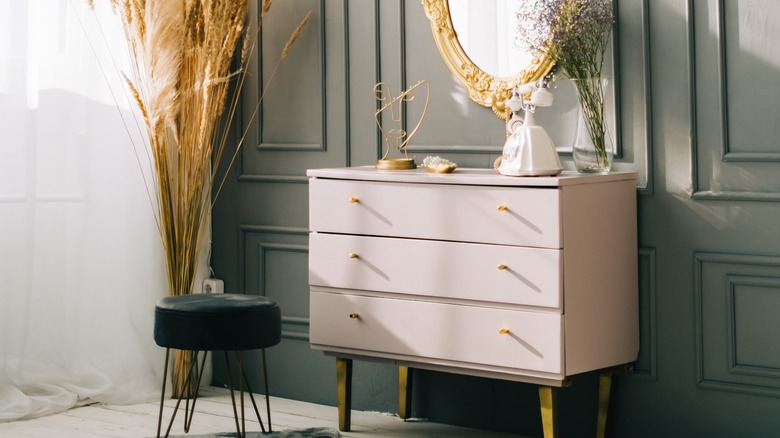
<point>476,40</point>
<point>485,30</point>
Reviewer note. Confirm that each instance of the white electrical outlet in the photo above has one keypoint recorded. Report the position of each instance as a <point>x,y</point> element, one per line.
<point>213,286</point>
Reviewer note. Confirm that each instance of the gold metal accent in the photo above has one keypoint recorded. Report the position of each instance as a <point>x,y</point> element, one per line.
<point>354,200</point>
<point>395,164</point>
<point>605,387</point>
<point>404,392</point>
<point>502,267</point>
<point>344,392</point>
<point>504,331</point>
<point>548,402</point>
<point>354,255</point>
<point>354,315</point>
<point>502,208</point>
<point>483,88</point>
<point>442,169</point>
<point>397,136</point>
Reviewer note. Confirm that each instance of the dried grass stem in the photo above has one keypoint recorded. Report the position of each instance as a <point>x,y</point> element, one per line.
<point>182,77</point>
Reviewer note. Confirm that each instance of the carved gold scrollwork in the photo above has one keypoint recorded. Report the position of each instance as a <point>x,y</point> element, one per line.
<point>482,87</point>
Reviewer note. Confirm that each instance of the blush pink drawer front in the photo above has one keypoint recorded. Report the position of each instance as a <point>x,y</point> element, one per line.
<point>438,331</point>
<point>485,214</point>
<point>492,273</point>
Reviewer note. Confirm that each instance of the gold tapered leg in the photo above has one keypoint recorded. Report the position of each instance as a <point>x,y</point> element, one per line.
<point>605,387</point>
<point>548,401</point>
<point>344,385</point>
<point>404,392</point>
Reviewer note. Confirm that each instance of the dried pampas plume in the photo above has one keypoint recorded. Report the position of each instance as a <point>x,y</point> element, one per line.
<point>295,34</point>
<point>183,78</point>
<point>266,7</point>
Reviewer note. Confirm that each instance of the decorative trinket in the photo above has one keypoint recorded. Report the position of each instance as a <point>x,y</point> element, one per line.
<point>439,165</point>
<point>396,136</point>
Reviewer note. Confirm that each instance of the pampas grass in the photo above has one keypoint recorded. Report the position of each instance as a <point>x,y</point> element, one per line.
<point>296,33</point>
<point>182,78</point>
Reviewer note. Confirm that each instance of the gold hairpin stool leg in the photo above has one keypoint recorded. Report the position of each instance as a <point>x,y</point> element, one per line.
<point>188,412</point>
<point>548,401</point>
<point>344,386</point>
<point>404,392</point>
<point>162,393</point>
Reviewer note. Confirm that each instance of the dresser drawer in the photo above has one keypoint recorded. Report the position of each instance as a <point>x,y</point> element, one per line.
<point>486,214</point>
<point>466,271</point>
<point>438,331</point>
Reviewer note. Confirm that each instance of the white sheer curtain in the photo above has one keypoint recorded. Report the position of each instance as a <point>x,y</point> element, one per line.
<point>80,260</point>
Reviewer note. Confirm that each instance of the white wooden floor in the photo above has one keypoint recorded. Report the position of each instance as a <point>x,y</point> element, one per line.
<point>215,414</point>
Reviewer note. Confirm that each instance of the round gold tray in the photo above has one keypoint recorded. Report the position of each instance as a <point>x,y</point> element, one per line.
<point>396,164</point>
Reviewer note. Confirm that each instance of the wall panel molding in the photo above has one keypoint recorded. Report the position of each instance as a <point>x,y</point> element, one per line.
<point>739,290</point>
<point>257,245</point>
<point>290,323</point>
<point>245,229</point>
<point>284,179</point>
<point>293,327</point>
<point>331,98</point>
<point>323,104</point>
<point>736,349</point>
<point>730,164</point>
<point>646,366</point>
<point>646,79</point>
<point>733,195</point>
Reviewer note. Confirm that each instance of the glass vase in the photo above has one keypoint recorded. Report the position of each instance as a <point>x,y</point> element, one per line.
<point>593,147</point>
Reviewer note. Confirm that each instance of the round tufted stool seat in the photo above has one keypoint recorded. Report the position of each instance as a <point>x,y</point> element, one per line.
<point>208,322</point>
<point>213,322</point>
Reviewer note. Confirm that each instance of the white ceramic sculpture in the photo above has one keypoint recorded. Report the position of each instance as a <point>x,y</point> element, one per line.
<point>529,151</point>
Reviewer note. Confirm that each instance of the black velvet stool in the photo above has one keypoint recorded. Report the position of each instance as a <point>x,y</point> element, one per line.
<point>212,322</point>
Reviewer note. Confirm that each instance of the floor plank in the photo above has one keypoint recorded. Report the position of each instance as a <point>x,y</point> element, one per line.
<point>214,412</point>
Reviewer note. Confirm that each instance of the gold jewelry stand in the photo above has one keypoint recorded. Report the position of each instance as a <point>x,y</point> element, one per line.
<point>397,137</point>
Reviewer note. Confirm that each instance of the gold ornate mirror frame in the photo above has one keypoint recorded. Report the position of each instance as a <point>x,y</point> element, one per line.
<point>483,88</point>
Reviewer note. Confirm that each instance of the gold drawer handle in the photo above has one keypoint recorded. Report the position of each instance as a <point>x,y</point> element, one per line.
<point>502,267</point>
<point>354,200</point>
<point>504,331</point>
<point>502,207</point>
<point>353,255</point>
<point>354,315</point>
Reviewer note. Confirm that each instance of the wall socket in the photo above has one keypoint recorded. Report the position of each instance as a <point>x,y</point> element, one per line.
<point>213,286</point>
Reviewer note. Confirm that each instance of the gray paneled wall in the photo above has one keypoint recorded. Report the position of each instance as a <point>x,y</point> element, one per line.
<point>694,90</point>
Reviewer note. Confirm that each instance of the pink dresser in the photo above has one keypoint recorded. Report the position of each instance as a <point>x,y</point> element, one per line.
<point>532,279</point>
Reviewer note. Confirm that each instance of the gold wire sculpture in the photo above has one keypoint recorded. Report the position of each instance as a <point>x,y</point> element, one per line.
<point>397,137</point>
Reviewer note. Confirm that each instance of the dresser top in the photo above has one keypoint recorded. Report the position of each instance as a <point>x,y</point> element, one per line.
<point>466,176</point>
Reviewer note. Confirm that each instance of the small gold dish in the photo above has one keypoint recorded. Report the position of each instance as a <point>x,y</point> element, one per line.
<point>442,169</point>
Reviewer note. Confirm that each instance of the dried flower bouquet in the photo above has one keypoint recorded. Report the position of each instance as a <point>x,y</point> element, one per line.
<point>575,34</point>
